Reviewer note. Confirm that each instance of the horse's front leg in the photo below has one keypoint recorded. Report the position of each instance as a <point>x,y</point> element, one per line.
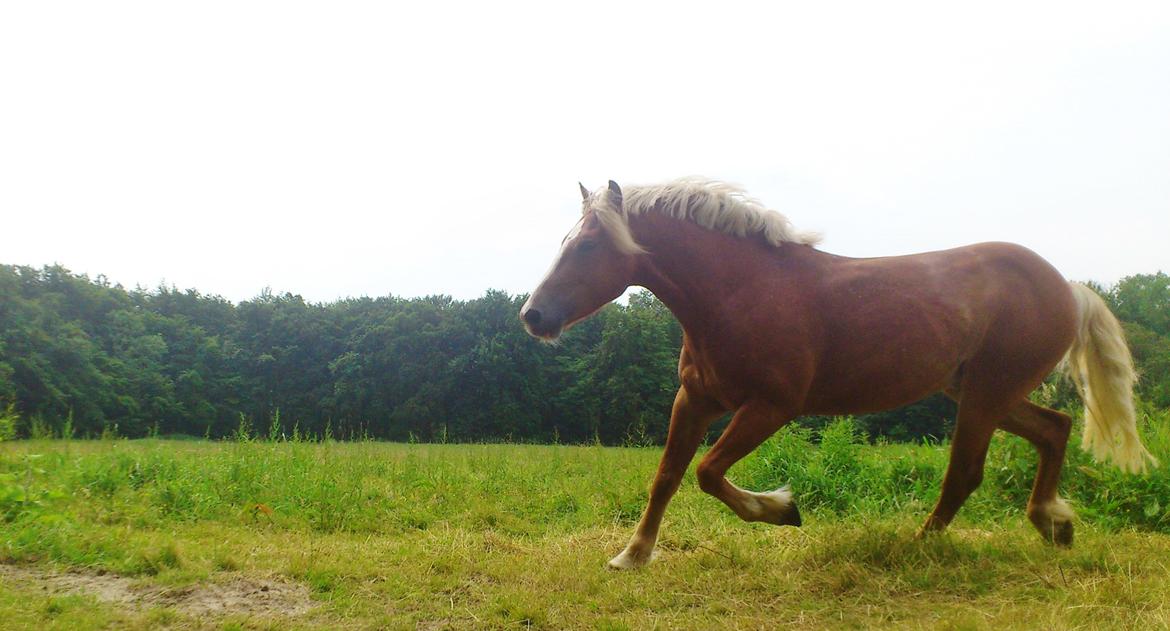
<point>689,420</point>
<point>752,425</point>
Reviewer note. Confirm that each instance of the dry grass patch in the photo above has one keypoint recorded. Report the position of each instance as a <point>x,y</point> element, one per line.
<point>229,595</point>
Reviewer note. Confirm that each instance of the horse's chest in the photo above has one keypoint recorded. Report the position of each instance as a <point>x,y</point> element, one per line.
<point>729,378</point>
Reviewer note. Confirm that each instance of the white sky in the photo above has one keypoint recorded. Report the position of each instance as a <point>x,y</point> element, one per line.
<point>340,149</point>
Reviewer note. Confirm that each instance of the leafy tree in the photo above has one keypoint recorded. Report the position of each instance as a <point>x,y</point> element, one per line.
<point>433,368</point>
<point>628,380</point>
<point>1142,302</point>
<point>1143,299</point>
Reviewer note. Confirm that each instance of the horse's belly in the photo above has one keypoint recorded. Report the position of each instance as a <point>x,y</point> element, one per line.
<point>875,386</point>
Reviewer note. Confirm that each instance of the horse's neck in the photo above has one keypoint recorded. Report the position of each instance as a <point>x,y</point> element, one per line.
<point>694,270</point>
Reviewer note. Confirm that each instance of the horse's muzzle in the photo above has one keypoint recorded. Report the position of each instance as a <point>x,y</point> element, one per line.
<point>539,324</point>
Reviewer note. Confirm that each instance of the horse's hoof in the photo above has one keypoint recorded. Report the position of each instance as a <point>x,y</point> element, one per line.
<point>778,507</point>
<point>1059,534</point>
<point>631,560</point>
<point>1062,535</point>
<point>932,526</point>
<point>795,516</point>
<point>1054,520</point>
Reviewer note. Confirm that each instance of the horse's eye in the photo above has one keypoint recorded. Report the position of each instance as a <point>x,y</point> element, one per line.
<point>586,245</point>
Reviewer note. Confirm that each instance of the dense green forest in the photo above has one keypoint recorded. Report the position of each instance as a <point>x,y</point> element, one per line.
<point>83,356</point>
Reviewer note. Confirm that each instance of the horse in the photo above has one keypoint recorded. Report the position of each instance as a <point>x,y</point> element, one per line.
<point>774,328</point>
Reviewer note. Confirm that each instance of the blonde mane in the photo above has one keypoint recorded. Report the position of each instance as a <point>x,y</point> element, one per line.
<point>709,203</point>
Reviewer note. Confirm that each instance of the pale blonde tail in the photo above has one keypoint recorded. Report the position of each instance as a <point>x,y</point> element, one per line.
<point>1102,369</point>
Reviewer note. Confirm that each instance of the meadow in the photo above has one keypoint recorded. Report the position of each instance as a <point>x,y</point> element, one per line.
<point>275,534</point>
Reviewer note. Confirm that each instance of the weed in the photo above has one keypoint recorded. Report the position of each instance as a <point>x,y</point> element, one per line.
<point>8,421</point>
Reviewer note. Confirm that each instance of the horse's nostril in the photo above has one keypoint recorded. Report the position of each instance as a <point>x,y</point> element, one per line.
<point>531,316</point>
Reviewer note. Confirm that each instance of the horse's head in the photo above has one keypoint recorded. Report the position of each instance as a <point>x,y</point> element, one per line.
<point>590,271</point>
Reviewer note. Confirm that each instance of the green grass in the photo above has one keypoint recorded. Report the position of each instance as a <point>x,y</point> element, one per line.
<point>516,536</point>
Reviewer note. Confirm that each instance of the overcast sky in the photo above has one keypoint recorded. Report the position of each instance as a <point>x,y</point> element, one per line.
<point>337,149</point>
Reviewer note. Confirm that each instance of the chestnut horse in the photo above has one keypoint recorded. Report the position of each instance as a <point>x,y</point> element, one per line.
<point>775,329</point>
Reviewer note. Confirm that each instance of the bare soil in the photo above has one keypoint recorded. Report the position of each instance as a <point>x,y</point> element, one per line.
<point>238,594</point>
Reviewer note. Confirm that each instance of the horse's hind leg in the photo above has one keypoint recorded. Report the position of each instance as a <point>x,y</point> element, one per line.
<point>974,425</point>
<point>750,426</point>
<point>1048,431</point>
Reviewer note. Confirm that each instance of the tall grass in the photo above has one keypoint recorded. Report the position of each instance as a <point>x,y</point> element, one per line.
<point>402,535</point>
<point>377,487</point>
<point>836,473</point>
<point>8,419</point>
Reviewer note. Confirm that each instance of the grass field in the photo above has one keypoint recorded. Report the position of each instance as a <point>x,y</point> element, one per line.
<point>193,534</point>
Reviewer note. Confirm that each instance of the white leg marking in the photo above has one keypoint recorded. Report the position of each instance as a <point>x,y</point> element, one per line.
<point>775,507</point>
<point>1056,510</point>
<point>633,557</point>
<point>1054,520</point>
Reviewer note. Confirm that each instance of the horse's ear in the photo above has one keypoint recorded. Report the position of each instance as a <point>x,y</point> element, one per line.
<point>615,194</point>
<point>584,192</point>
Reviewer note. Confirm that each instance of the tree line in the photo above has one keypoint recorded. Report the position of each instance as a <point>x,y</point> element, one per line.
<point>84,357</point>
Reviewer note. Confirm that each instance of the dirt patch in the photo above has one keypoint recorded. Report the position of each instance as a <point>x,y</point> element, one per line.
<point>236,595</point>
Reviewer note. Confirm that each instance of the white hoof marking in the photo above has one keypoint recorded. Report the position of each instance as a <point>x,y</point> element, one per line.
<point>775,507</point>
<point>632,559</point>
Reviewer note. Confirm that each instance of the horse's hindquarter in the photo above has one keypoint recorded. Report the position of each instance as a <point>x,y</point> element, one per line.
<point>896,329</point>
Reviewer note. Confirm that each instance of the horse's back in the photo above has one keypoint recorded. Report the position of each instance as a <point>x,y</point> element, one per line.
<point>987,281</point>
<point>912,323</point>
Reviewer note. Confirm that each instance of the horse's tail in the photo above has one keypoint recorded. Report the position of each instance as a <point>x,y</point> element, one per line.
<point>1102,369</point>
